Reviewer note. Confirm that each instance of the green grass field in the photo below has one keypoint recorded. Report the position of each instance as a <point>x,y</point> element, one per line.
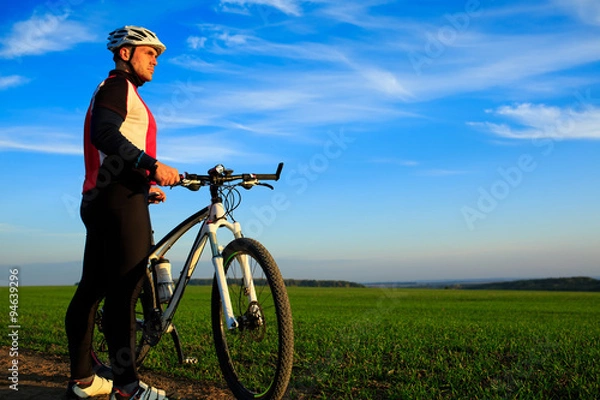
<point>391,344</point>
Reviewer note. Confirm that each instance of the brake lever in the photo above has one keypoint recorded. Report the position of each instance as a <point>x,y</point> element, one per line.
<point>249,184</point>
<point>267,185</point>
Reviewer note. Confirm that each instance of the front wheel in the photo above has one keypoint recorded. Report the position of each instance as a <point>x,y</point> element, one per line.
<point>256,357</point>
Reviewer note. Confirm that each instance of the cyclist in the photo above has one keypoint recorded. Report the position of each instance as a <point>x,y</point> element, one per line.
<point>121,166</point>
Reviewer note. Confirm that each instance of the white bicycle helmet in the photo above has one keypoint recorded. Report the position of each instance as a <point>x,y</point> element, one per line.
<point>134,36</point>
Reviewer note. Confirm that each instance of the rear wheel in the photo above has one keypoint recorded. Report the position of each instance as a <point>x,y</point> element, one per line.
<point>100,347</point>
<point>256,357</point>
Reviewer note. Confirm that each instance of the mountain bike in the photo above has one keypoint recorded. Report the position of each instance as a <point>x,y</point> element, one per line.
<point>250,311</point>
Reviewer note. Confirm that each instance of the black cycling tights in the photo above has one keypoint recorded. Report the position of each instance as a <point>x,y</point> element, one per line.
<point>118,238</point>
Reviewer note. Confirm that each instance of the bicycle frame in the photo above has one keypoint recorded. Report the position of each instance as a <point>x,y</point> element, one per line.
<point>212,218</point>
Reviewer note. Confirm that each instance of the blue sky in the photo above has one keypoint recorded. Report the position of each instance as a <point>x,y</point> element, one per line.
<point>421,140</point>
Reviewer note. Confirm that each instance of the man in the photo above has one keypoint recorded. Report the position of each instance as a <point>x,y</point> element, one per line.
<point>120,162</point>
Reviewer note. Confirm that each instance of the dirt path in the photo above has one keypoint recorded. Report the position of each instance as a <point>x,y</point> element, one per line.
<point>44,377</point>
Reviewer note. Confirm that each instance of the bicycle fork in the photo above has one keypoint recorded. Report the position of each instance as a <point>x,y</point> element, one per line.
<point>218,263</point>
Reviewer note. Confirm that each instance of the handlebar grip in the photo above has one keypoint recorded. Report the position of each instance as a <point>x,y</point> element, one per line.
<point>271,177</point>
<point>279,169</point>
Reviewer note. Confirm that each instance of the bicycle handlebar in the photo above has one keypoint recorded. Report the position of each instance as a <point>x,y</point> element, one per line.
<point>219,175</point>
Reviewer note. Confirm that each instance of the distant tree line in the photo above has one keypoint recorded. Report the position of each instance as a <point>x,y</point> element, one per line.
<point>317,283</point>
<point>290,283</point>
<point>574,284</point>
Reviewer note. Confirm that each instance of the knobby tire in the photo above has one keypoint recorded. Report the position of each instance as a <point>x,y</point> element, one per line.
<point>255,359</point>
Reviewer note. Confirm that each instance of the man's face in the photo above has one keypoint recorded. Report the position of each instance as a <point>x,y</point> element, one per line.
<point>144,60</point>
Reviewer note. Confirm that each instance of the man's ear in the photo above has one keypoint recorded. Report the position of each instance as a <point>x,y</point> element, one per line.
<point>125,53</point>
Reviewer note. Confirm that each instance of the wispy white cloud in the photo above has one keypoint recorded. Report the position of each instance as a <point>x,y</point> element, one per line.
<point>195,63</point>
<point>12,81</point>
<point>226,41</point>
<point>322,83</point>
<point>361,14</point>
<point>369,77</point>
<point>42,34</point>
<point>279,103</point>
<point>290,7</point>
<point>535,121</point>
<point>196,42</point>
<point>482,61</point>
<point>417,167</point>
<point>587,11</point>
<point>409,62</point>
<point>384,81</point>
<point>39,139</point>
<point>206,149</point>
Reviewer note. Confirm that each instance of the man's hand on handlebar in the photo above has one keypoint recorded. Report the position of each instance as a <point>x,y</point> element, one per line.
<point>165,175</point>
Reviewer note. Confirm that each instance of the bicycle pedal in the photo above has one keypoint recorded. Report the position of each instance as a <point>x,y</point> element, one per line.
<point>190,360</point>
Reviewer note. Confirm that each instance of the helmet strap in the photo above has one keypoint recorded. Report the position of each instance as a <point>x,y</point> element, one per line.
<point>138,80</point>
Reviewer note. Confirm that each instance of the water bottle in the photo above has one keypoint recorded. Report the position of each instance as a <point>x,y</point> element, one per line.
<point>164,280</point>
